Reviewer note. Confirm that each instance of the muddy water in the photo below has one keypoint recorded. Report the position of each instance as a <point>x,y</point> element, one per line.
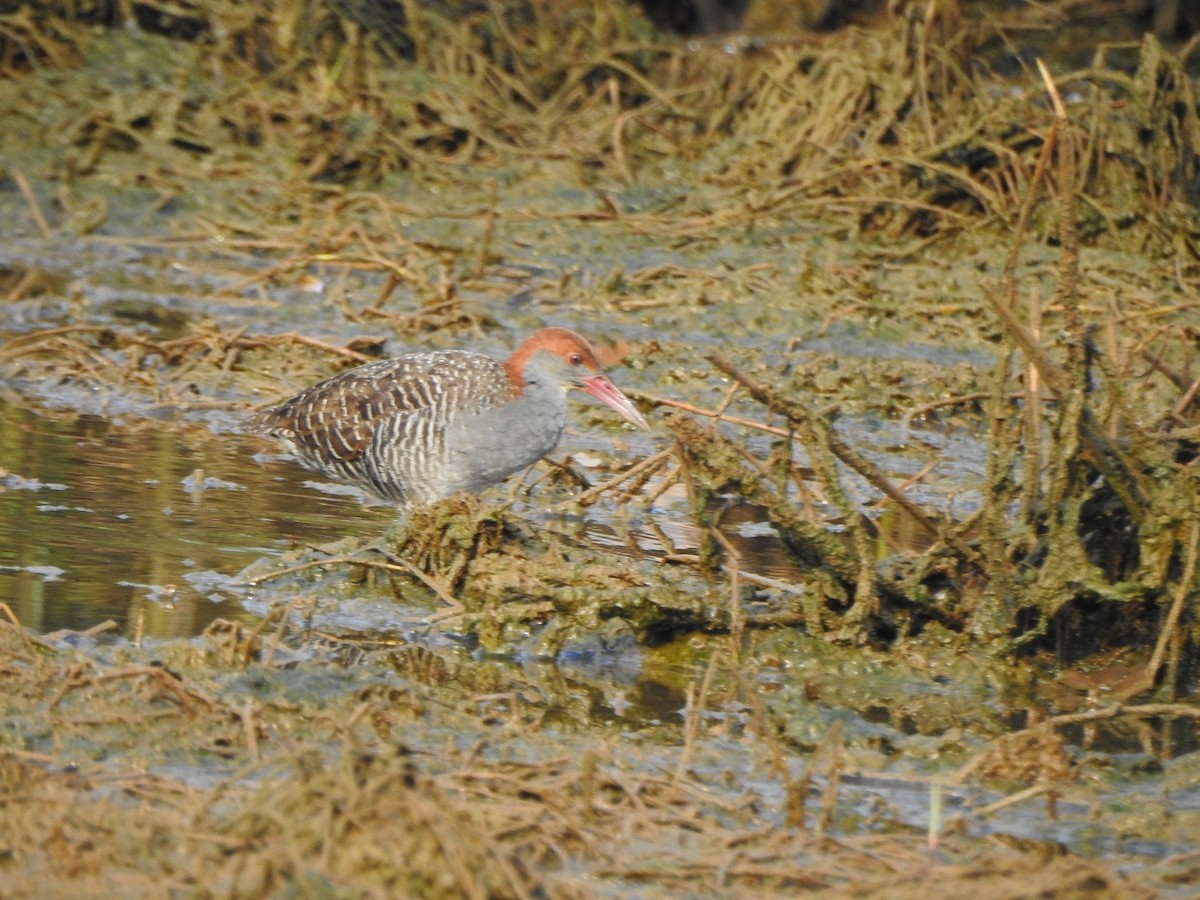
<point>116,507</point>
<point>138,524</point>
<point>147,525</point>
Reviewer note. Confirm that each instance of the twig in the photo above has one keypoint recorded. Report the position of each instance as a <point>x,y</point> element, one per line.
<point>1189,396</point>
<point>394,564</point>
<point>186,696</point>
<point>694,716</point>
<point>246,714</point>
<point>1186,586</point>
<point>711,414</point>
<point>959,400</point>
<point>847,455</point>
<point>1012,799</point>
<point>305,340</point>
<point>31,200</point>
<point>645,465</point>
<point>277,612</point>
<point>491,214</point>
<point>404,565</point>
<point>35,645</point>
<point>737,613</point>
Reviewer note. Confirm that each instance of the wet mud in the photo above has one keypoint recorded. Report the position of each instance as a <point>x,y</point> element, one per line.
<point>897,596</point>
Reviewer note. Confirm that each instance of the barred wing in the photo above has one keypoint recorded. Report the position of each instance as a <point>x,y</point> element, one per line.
<point>383,425</point>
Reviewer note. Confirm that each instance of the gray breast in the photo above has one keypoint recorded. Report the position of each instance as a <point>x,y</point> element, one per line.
<point>483,447</point>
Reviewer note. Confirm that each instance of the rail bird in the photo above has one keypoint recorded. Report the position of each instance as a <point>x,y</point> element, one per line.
<point>422,426</point>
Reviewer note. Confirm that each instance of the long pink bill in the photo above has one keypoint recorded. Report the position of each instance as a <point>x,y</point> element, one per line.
<point>606,392</point>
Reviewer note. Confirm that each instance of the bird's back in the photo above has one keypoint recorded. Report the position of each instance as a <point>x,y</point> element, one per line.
<point>384,425</point>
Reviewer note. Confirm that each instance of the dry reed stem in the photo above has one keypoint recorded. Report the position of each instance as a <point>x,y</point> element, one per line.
<point>393,564</point>
<point>823,447</point>
<point>1185,590</point>
<point>697,702</point>
<point>792,410</point>
<point>640,470</point>
<point>31,201</point>
<point>711,414</point>
<point>737,612</point>
<point>36,648</point>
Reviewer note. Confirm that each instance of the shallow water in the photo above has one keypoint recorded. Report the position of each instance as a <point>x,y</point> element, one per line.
<point>114,506</point>
<point>119,505</point>
<point>102,521</point>
<point>145,524</point>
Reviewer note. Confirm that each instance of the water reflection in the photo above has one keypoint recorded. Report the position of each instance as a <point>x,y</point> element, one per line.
<point>139,522</point>
<point>100,521</point>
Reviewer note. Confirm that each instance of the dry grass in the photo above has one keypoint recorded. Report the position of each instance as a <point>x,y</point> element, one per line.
<point>296,148</point>
<point>1089,510</point>
<point>896,134</point>
<point>366,790</point>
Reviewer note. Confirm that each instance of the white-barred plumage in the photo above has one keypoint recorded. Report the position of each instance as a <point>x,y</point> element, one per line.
<point>423,426</point>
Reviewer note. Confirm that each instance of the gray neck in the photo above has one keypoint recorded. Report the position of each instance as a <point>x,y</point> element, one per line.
<point>487,446</point>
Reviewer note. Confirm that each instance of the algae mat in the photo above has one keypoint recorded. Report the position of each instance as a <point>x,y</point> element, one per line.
<point>899,596</point>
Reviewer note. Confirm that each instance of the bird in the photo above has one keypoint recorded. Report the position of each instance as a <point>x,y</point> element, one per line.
<point>423,426</point>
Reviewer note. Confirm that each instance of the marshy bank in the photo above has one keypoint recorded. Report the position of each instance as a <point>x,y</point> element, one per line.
<point>899,595</point>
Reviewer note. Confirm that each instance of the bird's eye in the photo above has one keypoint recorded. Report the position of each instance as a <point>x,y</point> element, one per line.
<point>576,359</point>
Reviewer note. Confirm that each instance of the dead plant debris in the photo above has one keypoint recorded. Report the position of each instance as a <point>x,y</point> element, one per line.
<point>746,215</point>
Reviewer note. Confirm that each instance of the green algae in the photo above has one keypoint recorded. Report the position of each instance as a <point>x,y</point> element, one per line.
<point>842,279</point>
<point>836,217</point>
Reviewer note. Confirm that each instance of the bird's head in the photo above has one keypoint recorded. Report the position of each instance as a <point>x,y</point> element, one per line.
<point>565,356</point>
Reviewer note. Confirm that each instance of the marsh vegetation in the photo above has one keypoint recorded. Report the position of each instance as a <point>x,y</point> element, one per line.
<point>899,595</point>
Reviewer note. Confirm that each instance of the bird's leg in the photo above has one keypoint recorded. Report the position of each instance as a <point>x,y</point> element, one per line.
<point>567,472</point>
<point>519,482</point>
